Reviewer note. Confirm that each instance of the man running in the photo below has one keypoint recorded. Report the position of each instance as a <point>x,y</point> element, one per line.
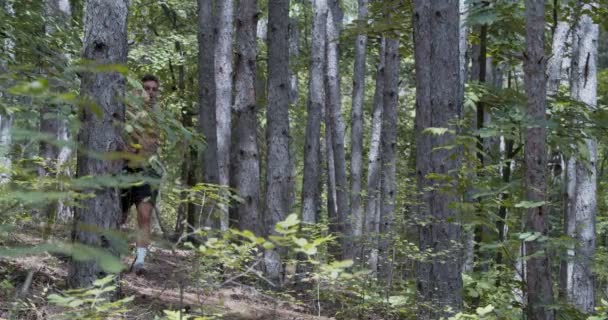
<point>142,140</point>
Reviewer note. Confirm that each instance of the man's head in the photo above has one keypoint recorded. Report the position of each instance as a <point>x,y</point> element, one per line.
<point>151,86</point>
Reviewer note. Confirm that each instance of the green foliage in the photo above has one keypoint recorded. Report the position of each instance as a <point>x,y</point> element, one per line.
<point>91,303</point>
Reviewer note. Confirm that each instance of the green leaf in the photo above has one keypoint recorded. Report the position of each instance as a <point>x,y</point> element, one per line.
<point>435,131</point>
<point>530,204</point>
<point>485,310</point>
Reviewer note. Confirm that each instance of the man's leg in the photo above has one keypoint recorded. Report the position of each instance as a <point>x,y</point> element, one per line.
<point>144,216</point>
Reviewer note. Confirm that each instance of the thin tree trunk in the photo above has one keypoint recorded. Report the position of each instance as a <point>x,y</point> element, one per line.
<point>6,120</point>
<point>278,170</point>
<point>332,203</point>
<point>52,122</point>
<point>374,166</point>
<point>582,217</point>
<point>316,103</point>
<point>207,91</point>
<point>356,137</point>
<point>334,101</point>
<point>223,103</point>
<point>106,44</point>
<point>538,272</point>
<point>389,152</point>
<point>439,100</point>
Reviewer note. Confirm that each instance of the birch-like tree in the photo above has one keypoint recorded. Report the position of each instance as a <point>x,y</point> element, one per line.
<point>58,14</point>
<point>581,218</point>
<point>104,43</point>
<point>356,137</point>
<point>6,120</point>
<point>538,272</point>
<point>334,102</point>
<point>439,101</point>
<point>374,166</point>
<point>316,103</point>
<point>223,95</point>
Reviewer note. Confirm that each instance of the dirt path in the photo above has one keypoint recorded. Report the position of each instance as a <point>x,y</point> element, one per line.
<point>165,286</point>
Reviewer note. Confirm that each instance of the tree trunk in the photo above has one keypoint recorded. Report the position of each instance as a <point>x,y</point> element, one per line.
<point>105,44</point>
<point>316,103</point>
<point>389,152</point>
<point>6,120</point>
<point>247,166</point>
<point>207,91</point>
<point>356,137</point>
<point>374,166</point>
<point>554,66</point>
<point>223,103</point>
<point>52,122</point>
<point>439,100</point>
<point>334,101</point>
<point>538,272</point>
<point>278,171</point>
<point>582,217</point>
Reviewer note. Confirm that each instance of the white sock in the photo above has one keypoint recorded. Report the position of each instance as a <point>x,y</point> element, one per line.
<point>141,255</point>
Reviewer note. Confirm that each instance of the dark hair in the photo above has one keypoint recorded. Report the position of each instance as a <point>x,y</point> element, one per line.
<point>150,77</point>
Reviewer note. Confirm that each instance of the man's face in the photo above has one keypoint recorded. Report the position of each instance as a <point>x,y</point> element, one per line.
<point>151,91</point>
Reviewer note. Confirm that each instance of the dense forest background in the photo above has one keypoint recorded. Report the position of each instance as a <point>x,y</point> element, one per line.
<point>349,159</point>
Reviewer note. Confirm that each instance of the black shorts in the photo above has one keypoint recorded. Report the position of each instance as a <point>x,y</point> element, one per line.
<point>138,193</point>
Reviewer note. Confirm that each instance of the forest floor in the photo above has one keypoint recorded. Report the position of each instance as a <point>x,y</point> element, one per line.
<point>162,287</point>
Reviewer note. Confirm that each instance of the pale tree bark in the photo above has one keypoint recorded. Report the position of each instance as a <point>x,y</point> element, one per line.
<point>223,102</point>
<point>105,44</point>
<point>582,218</point>
<point>334,101</point>
<point>439,100</point>
<point>330,175</point>
<point>316,103</point>
<point>247,166</point>
<point>538,272</point>
<point>6,120</point>
<point>468,235</point>
<point>58,14</point>
<point>294,54</point>
<point>554,65</point>
<point>278,170</point>
<point>356,137</point>
<point>206,97</point>
<point>374,166</point>
<point>389,160</point>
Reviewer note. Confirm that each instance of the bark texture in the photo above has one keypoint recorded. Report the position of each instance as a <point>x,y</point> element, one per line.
<point>278,170</point>
<point>554,66</point>
<point>334,101</point>
<point>582,218</point>
<point>206,96</point>
<point>356,137</point>
<point>223,102</point>
<point>538,273</point>
<point>247,166</point>
<point>374,166</point>
<point>294,54</point>
<point>389,153</point>
<point>104,43</point>
<point>316,103</point>
<point>439,100</point>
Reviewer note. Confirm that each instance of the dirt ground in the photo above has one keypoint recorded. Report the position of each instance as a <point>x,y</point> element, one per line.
<point>162,287</point>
